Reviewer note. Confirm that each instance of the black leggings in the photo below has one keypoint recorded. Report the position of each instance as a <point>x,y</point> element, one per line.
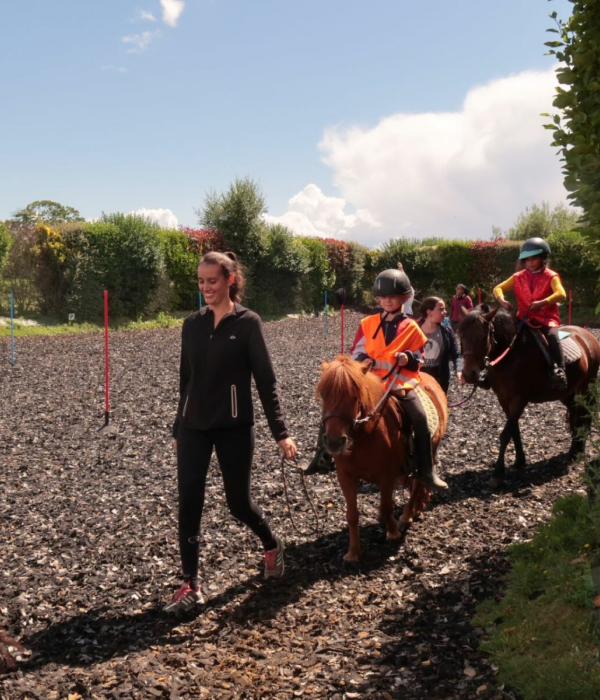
<point>418,418</point>
<point>235,448</point>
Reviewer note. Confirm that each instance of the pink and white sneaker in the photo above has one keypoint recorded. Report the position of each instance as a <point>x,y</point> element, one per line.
<point>185,599</point>
<point>274,564</point>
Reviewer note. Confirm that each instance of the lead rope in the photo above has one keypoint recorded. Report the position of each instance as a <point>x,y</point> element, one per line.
<point>460,403</point>
<point>317,529</point>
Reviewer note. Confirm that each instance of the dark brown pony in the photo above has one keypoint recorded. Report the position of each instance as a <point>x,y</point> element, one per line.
<point>371,450</point>
<point>522,375</point>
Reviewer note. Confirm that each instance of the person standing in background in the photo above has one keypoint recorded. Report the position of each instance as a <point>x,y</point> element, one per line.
<point>461,300</point>
<point>441,348</point>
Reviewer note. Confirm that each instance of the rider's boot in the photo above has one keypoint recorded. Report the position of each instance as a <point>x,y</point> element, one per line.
<point>322,462</point>
<point>558,380</point>
<point>426,471</point>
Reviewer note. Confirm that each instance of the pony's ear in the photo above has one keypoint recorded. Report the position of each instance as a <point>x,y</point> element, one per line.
<point>485,308</point>
<point>490,314</point>
<point>365,366</point>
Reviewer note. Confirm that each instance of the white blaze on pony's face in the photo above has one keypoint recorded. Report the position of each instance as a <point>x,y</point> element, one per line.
<point>213,283</point>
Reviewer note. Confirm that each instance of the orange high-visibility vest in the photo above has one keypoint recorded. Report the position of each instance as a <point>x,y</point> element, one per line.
<point>541,289</point>
<point>410,337</point>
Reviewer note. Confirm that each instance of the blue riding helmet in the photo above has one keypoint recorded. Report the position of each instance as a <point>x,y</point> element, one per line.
<point>534,246</point>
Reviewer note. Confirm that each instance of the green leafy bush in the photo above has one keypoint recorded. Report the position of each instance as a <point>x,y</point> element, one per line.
<point>121,253</point>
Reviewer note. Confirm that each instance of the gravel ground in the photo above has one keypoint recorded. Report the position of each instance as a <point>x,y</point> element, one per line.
<point>89,547</point>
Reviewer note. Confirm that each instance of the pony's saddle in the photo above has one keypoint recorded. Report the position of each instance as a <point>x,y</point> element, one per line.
<point>571,349</point>
<point>433,419</point>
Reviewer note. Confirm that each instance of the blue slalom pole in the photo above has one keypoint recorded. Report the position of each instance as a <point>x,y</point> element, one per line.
<point>325,318</point>
<point>12,329</point>
<point>200,298</point>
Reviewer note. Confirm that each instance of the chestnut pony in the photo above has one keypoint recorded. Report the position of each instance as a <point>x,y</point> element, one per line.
<point>372,449</point>
<point>521,375</point>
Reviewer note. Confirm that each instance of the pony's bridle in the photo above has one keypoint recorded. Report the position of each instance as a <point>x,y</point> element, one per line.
<point>491,342</point>
<point>353,422</point>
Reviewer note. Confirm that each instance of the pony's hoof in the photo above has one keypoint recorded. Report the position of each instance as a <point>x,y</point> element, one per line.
<point>518,466</point>
<point>404,525</point>
<point>351,558</point>
<point>496,482</point>
<point>394,536</point>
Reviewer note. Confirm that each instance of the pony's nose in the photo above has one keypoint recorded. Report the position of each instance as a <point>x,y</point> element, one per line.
<point>335,446</point>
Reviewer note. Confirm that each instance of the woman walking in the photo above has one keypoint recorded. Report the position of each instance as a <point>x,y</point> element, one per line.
<point>223,346</point>
<point>440,349</point>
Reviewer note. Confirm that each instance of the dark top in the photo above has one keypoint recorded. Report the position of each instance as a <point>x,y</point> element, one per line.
<point>216,370</point>
<point>449,353</point>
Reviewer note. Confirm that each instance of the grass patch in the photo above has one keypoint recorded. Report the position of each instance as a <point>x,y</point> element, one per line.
<point>541,634</point>
<point>51,326</point>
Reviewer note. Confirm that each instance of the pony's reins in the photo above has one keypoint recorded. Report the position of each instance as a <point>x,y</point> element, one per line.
<point>317,529</point>
<point>460,403</point>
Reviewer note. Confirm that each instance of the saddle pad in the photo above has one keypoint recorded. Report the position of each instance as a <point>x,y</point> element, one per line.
<point>571,350</point>
<point>433,419</point>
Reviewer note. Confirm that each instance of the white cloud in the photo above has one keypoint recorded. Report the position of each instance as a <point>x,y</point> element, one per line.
<point>312,213</point>
<point>140,42</point>
<point>163,217</point>
<point>453,174</point>
<point>145,16</point>
<point>447,174</point>
<point>171,10</point>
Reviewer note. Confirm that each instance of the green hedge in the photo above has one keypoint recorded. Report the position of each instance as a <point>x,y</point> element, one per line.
<point>147,269</point>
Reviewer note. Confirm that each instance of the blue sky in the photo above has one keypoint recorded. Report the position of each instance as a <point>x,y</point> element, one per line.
<point>345,106</point>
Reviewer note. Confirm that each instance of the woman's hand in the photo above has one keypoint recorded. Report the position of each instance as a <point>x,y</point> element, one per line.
<point>288,448</point>
<point>504,304</point>
<point>402,359</point>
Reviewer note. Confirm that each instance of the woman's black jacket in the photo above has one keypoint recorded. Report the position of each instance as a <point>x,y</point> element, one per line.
<point>449,355</point>
<point>216,369</point>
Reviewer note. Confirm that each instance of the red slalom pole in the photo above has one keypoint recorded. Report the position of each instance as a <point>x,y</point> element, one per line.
<point>479,296</point>
<point>570,304</point>
<point>342,308</point>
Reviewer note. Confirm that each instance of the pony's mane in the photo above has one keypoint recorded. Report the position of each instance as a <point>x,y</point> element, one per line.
<point>504,324</point>
<point>344,377</point>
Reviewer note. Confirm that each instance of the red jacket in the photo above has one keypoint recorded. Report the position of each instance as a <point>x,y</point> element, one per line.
<point>464,302</point>
<point>530,287</point>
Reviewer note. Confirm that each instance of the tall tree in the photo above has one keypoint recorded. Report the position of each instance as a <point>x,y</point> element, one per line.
<point>47,212</point>
<point>5,243</point>
<point>577,131</point>
<point>540,220</point>
<point>237,215</point>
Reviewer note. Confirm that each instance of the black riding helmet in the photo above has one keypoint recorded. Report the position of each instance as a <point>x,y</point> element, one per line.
<point>534,246</point>
<point>391,282</point>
